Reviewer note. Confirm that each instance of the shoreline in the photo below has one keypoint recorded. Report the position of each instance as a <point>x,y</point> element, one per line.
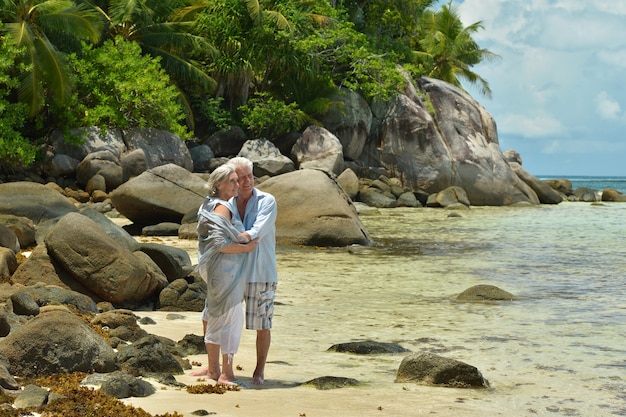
<point>288,368</point>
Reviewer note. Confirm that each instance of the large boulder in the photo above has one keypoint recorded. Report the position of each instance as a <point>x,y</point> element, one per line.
<point>34,350</point>
<point>99,262</point>
<point>545,193</point>
<point>266,158</point>
<point>34,201</point>
<point>314,210</point>
<point>351,122</point>
<point>159,147</point>
<point>162,194</point>
<point>456,145</point>
<point>317,148</point>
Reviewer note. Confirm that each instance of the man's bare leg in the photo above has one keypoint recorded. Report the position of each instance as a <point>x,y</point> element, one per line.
<point>263,341</point>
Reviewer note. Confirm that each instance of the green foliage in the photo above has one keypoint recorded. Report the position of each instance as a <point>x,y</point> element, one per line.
<point>268,118</point>
<point>212,111</point>
<point>116,86</point>
<point>32,24</point>
<point>15,149</point>
<point>345,55</point>
<point>448,51</point>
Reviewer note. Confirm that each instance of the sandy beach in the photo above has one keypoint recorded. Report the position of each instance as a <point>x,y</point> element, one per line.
<point>298,354</point>
<point>291,364</point>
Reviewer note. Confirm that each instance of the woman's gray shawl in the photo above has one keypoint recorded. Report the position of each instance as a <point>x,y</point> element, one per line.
<point>221,271</point>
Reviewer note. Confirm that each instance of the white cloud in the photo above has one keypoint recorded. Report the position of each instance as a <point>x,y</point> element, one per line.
<point>539,126</point>
<point>559,85</point>
<point>607,107</point>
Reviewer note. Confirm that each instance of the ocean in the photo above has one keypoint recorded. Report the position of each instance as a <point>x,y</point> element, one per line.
<point>594,182</point>
<point>558,349</point>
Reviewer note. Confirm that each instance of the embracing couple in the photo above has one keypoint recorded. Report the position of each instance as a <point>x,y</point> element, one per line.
<point>237,260</point>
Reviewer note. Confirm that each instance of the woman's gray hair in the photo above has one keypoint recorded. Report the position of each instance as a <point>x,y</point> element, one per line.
<point>219,175</point>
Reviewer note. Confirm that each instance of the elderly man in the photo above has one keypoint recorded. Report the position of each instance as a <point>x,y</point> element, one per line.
<point>257,211</point>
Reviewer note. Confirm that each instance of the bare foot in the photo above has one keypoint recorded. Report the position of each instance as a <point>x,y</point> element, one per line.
<point>200,372</point>
<point>224,380</point>
<point>258,379</point>
<point>204,372</point>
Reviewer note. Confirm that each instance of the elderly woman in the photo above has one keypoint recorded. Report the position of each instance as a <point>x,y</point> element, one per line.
<point>220,261</point>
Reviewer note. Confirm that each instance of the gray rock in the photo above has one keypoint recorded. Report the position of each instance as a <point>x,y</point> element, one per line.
<point>609,194</point>
<point>72,347</point>
<point>545,193</point>
<point>201,156</point>
<point>103,163</point>
<point>332,382</point>
<point>374,197</point>
<point>53,295</point>
<point>120,385</point>
<point>159,147</point>
<point>367,347</point>
<point>351,123</point>
<point>227,142</point>
<point>483,293</point>
<point>317,148</point>
<point>174,262</point>
<point>162,194</point>
<point>6,379</point>
<point>161,229</point>
<point>329,220</point>
<point>181,295</point>
<point>23,304</point>
<point>34,201</point>
<point>8,263</point>
<point>8,239</point>
<point>23,227</point>
<point>266,158</point>
<point>148,355</point>
<point>429,369</point>
<point>31,396</point>
<point>349,181</point>
<point>97,261</point>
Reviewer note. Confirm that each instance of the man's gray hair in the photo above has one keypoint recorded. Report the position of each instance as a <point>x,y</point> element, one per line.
<point>240,161</point>
<point>219,175</point>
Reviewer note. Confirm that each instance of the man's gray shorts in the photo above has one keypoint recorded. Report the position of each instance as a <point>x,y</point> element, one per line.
<point>259,298</point>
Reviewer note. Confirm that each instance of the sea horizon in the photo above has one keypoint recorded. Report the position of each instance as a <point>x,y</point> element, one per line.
<point>595,182</point>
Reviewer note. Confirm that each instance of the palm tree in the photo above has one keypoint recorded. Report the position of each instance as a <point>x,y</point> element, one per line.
<point>254,37</point>
<point>448,50</point>
<point>150,23</point>
<point>162,31</point>
<point>32,24</point>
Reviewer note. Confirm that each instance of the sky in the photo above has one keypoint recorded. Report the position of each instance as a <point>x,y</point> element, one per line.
<point>559,84</point>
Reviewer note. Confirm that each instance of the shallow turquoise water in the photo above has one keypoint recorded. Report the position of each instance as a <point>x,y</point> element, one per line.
<point>558,350</point>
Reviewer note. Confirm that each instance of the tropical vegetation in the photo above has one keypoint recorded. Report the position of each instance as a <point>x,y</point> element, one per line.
<point>196,66</point>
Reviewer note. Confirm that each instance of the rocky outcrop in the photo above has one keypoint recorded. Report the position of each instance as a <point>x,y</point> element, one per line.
<point>456,145</point>
<point>314,210</point>
<point>351,122</point>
